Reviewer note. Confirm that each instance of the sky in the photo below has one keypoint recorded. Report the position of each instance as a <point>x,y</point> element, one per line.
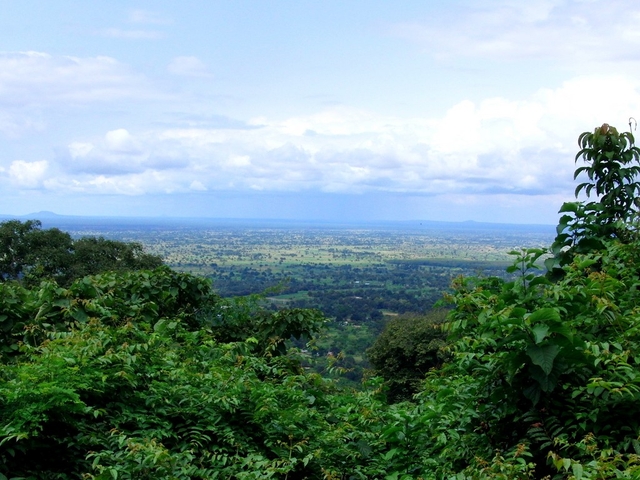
<point>308,109</point>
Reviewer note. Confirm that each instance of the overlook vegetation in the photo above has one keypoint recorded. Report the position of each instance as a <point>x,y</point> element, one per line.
<point>29,254</point>
<point>149,374</point>
<point>359,278</point>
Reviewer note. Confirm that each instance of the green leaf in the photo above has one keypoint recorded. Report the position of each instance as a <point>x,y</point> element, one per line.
<point>569,207</point>
<point>562,329</point>
<point>549,263</point>
<point>586,263</point>
<point>543,356</point>
<point>532,392</point>
<point>80,315</point>
<point>390,454</point>
<point>390,431</point>
<point>565,220</point>
<point>160,326</point>
<point>540,280</point>
<point>576,468</point>
<point>544,315</point>
<point>588,244</point>
<point>540,332</point>
<point>546,382</point>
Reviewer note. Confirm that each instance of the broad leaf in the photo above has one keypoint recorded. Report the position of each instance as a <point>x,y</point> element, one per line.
<point>543,356</point>
<point>569,207</point>
<point>540,332</point>
<point>562,329</point>
<point>544,315</point>
<point>546,382</point>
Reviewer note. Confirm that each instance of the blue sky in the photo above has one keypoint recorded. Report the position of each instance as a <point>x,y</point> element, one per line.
<point>331,110</point>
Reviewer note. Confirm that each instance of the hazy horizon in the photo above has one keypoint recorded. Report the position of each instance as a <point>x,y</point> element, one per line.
<point>51,219</point>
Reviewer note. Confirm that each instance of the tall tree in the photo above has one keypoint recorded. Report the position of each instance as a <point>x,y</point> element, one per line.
<point>20,243</point>
<point>97,254</point>
<point>29,254</point>
<point>612,166</point>
<point>406,350</point>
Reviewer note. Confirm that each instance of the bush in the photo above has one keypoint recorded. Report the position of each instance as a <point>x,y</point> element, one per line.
<point>409,347</point>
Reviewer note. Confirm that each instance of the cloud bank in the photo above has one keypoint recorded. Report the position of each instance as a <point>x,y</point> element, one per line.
<point>495,146</point>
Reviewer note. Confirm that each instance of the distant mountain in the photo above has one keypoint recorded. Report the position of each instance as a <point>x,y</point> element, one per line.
<point>42,214</point>
<point>34,216</point>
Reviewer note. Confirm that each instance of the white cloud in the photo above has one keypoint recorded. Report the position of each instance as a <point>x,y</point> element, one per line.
<point>39,79</point>
<point>120,153</point>
<point>197,185</point>
<point>239,161</point>
<point>188,66</point>
<point>80,149</point>
<point>116,153</point>
<point>27,174</point>
<point>497,146</point>
<point>120,141</point>
<point>574,31</point>
<point>129,184</point>
<point>14,124</point>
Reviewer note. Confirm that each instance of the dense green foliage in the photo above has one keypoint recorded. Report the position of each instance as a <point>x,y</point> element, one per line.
<point>150,375</point>
<point>126,365</point>
<point>554,366</point>
<point>30,254</point>
<point>408,348</point>
<point>612,168</point>
<point>30,316</point>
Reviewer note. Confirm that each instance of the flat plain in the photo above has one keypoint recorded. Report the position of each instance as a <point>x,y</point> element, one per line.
<point>407,264</point>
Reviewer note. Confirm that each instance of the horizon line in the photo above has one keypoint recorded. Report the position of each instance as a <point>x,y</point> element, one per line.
<point>52,215</point>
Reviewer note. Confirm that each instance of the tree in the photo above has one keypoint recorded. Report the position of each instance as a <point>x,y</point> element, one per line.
<point>123,375</point>
<point>551,364</point>
<point>612,167</point>
<point>30,254</point>
<point>94,255</point>
<point>406,350</point>
<point>14,247</point>
<point>50,255</point>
